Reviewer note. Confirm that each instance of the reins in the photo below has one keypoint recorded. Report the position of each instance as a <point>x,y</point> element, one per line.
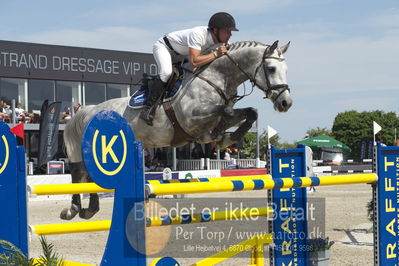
<point>278,87</point>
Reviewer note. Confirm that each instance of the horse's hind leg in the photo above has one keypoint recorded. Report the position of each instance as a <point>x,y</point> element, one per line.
<point>94,207</point>
<point>94,202</point>
<point>80,175</point>
<point>76,205</point>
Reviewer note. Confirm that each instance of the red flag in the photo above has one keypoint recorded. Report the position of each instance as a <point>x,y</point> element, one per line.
<point>18,130</point>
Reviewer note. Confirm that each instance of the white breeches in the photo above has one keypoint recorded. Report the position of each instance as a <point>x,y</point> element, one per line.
<point>164,58</point>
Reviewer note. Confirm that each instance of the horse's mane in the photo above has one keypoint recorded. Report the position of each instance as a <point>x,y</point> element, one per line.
<point>242,44</point>
<point>233,47</point>
<point>236,45</point>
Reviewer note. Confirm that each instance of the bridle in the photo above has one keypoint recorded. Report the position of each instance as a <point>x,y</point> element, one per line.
<point>280,88</point>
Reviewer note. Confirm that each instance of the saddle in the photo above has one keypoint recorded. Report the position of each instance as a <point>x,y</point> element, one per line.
<point>142,98</point>
<point>139,99</point>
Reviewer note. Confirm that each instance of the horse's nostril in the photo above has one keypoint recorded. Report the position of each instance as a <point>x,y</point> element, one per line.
<point>284,104</point>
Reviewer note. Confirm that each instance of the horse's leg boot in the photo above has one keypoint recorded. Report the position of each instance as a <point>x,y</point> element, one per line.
<point>70,213</point>
<point>94,207</point>
<point>155,88</point>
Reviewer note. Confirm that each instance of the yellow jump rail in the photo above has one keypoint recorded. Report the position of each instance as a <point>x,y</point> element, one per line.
<point>63,189</point>
<point>65,263</point>
<point>95,226</point>
<point>83,188</point>
<point>70,228</point>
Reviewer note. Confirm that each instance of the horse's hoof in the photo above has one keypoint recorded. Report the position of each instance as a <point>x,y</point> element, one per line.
<point>87,213</point>
<point>69,214</point>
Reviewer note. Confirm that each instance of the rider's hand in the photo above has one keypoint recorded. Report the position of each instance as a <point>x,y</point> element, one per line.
<point>221,50</point>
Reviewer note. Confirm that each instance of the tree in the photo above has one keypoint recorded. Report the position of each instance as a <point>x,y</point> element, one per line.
<point>318,131</point>
<point>352,127</point>
<point>249,144</point>
<point>275,140</point>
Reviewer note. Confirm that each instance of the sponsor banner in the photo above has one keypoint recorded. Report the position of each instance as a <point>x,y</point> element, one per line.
<point>207,174</point>
<point>198,174</point>
<point>40,61</point>
<point>159,176</point>
<point>48,134</point>
<point>241,172</point>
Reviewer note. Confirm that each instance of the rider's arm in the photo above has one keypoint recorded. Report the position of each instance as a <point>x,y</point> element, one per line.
<point>197,60</point>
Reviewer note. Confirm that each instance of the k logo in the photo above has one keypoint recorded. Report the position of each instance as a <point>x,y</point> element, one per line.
<point>5,155</point>
<point>111,158</point>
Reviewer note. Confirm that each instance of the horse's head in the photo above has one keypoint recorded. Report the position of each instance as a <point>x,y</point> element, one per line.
<point>271,77</point>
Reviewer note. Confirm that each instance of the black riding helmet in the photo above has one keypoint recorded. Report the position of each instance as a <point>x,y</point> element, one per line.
<point>222,20</point>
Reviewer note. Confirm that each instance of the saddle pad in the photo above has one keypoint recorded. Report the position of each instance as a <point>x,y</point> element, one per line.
<point>176,87</point>
<point>139,98</point>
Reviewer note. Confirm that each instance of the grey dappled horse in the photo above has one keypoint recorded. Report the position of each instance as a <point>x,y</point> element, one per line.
<point>203,108</point>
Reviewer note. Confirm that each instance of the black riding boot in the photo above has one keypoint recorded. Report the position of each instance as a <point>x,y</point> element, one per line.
<point>155,92</point>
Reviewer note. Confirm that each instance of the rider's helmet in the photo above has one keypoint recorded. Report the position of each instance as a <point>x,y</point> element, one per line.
<point>222,20</point>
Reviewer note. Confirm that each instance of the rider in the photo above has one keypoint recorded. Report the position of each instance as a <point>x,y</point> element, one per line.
<point>188,44</point>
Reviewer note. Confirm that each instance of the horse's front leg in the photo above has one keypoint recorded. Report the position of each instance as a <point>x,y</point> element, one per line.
<point>213,119</point>
<point>232,118</point>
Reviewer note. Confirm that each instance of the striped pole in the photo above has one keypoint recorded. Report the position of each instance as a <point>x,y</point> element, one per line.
<point>62,189</point>
<point>257,184</point>
<point>210,179</point>
<point>209,216</point>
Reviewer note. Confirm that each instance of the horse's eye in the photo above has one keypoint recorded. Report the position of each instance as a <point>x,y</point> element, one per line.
<point>271,70</point>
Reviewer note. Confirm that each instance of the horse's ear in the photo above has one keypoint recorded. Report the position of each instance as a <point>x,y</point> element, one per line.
<point>273,47</point>
<point>285,47</point>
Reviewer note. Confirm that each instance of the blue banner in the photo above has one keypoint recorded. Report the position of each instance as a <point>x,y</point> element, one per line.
<point>388,205</point>
<point>289,206</point>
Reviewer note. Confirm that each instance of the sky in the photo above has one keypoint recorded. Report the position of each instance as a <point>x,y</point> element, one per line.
<point>344,55</point>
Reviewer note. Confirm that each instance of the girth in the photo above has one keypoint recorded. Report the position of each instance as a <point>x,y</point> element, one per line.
<point>180,135</point>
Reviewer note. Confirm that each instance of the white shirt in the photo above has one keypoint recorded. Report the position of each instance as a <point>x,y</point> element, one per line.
<point>198,38</point>
<point>19,111</point>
